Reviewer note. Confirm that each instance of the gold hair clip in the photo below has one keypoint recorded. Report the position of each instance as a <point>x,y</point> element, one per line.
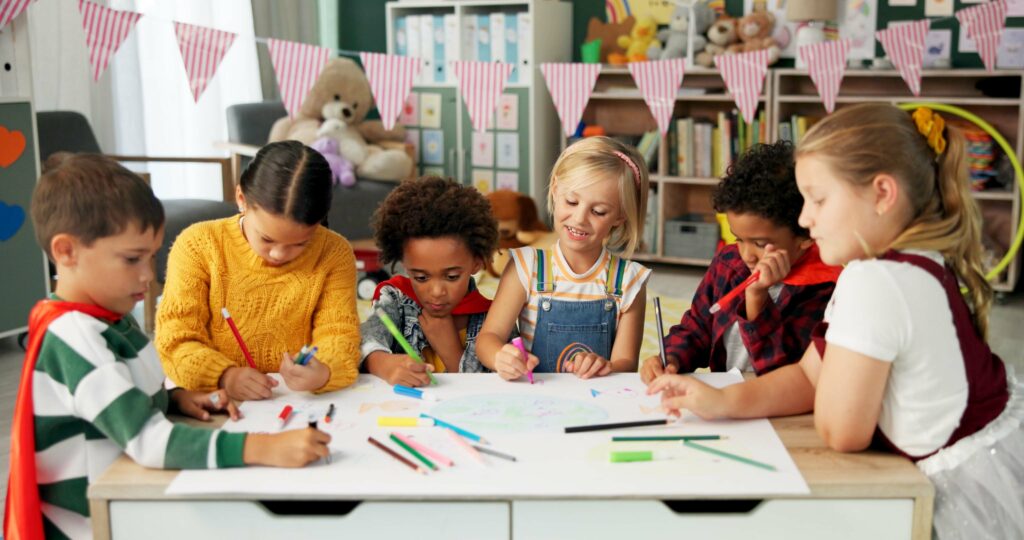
<point>931,125</point>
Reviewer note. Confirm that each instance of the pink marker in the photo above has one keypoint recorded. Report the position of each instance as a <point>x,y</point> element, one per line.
<point>430,453</point>
<point>518,342</point>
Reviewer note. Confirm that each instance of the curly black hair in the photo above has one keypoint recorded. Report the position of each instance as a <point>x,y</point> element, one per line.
<point>763,182</point>
<point>434,207</point>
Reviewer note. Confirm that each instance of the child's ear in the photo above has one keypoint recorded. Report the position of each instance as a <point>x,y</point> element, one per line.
<point>805,243</point>
<point>64,248</point>
<point>886,193</point>
<point>240,199</point>
<point>478,264</point>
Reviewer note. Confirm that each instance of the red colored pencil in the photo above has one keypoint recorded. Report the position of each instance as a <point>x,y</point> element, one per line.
<point>238,337</point>
<point>735,292</point>
<point>396,455</point>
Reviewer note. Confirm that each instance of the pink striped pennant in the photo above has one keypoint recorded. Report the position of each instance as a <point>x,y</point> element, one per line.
<point>904,43</point>
<point>481,83</point>
<point>391,78</point>
<point>570,86</point>
<point>826,62</point>
<point>296,66</point>
<point>984,24</point>
<point>744,75</point>
<point>659,81</point>
<point>10,9</point>
<point>105,31</point>
<point>202,49</point>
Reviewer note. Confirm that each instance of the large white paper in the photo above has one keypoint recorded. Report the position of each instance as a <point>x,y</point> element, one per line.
<point>516,418</point>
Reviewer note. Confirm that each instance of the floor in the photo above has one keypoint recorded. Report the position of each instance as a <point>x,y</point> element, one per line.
<point>1005,329</point>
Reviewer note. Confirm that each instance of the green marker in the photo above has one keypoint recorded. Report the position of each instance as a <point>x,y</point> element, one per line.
<point>401,340</point>
<point>646,455</point>
<point>727,455</point>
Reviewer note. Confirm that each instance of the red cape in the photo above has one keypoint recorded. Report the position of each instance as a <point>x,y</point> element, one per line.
<point>23,518</point>
<point>471,304</point>
<point>809,270</point>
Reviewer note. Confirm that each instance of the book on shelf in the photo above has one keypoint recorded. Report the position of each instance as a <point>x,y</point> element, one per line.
<point>650,237</point>
<point>648,148</point>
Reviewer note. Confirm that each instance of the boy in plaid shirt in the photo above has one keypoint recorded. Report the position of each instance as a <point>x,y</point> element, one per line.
<point>770,324</point>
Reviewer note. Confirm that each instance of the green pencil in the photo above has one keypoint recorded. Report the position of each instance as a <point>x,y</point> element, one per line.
<point>401,340</point>
<point>414,453</point>
<point>727,455</point>
<point>669,438</point>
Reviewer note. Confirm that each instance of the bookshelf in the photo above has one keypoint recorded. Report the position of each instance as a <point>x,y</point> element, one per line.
<point>523,138</point>
<point>618,107</point>
<point>795,94</point>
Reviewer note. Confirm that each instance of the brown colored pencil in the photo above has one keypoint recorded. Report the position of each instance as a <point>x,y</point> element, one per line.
<point>396,455</point>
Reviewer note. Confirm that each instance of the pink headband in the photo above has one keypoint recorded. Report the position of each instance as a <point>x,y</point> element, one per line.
<point>636,170</point>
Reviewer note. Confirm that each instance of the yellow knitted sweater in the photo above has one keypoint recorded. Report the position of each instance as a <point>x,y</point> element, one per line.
<point>277,309</point>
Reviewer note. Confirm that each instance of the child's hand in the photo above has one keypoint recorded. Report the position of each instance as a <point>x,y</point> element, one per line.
<point>312,376</point>
<point>510,364</point>
<point>774,267</point>
<point>684,392</point>
<point>293,448</point>
<point>587,365</point>
<point>651,369</point>
<point>198,404</point>
<point>399,369</point>
<point>246,384</point>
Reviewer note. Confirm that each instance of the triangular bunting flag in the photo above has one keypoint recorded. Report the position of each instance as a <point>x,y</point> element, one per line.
<point>480,84</point>
<point>570,86</point>
<point>296,66</point>
<point>202,49</point>
<point>826,62</point>
<point>9,9</point>
<point>984,24</point>
<point>659,81</point>
<point>904,43</point>
<point>391,78</point>
<point>744,75</point>
<point>105,31</point>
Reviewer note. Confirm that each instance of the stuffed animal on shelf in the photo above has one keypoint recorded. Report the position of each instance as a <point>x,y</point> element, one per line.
<point>609,34</point>
<point>639,39</point>
<point>755,32</point>
<point>676,36</point>
<point>342,93</point>
<point>721,36</point>
<point>518,225</point>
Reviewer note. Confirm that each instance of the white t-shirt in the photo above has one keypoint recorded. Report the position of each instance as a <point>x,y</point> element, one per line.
<point>590,285</point>
<point>897,312</point>
<point>736,354</point>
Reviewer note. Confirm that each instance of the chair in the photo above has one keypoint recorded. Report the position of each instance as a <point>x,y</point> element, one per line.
<point>68,131</point>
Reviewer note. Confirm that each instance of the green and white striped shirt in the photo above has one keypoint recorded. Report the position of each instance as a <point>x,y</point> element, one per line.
<point>98,390</point>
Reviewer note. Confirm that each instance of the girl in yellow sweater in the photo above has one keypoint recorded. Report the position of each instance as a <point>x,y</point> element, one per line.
<point>285,279</point>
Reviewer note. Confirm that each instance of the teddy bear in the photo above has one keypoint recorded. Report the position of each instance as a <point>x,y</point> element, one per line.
<point>676,36</point>
<point>609,33</point>
<point>342,92</point>
<point>639,39</point>
<point>518,225</point>
<point>755,32</point>
<point>721,36</point>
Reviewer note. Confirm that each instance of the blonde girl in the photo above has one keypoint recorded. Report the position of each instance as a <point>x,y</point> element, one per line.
<point>580,304</point>
<point>901,360</point>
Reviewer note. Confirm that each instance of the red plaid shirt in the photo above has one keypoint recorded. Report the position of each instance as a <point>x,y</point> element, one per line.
<point>778,336</point>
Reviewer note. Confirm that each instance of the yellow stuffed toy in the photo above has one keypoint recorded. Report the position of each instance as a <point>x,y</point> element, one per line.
<point>639,39</point>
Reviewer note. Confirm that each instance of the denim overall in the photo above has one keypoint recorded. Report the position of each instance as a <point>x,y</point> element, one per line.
<point>566,327</point>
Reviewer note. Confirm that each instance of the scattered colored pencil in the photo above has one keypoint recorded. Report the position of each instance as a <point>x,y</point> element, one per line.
<point>404,421</point>
<point>661,332</point>
<point>405,446</point>
<point>396,455</point>
<point>467,434</point>
<point>494,453</point>
<point>727,455</point>
<point>425,450</point>
<point>238,337</point>
<point>469,448</point>
<point>616,425</point>
<point>518,342</point>
<point>669,438</point>
<point>734,293</point>
<point>401,340</point>
<point>408,391</point>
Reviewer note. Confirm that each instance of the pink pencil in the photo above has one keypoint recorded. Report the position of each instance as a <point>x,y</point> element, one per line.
<point>430,453</point>
<point>734,293</point>
<point>518,342</point>
<point>467,447</point>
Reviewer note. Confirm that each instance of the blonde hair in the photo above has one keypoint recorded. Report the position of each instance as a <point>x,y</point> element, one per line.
<point>594,159</point>
<point>863,141</point>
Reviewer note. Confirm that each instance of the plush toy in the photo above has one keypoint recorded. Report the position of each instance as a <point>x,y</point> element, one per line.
<point>755,32</point>
<point>639,39</point>
<point>518,225</point>
<point>721,36</point>
<point>675,37</point>
<point>342,93</point>
<point>609,34</point>
<point>332,134</point>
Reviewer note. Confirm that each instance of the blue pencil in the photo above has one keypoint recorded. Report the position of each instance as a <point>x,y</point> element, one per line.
<point>467,434</point>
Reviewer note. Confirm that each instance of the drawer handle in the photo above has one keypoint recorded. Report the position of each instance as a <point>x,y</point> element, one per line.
<point>310,508</point>
<point>721,506</point>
